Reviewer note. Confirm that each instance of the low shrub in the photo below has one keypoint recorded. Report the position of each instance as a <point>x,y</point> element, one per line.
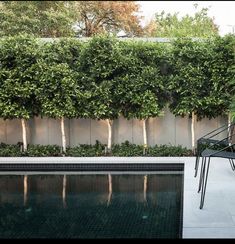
<point>43,151</point>
<point>7,150</point>
<point>84,150</point>
<point>125,149</point>
<point>168,151</point>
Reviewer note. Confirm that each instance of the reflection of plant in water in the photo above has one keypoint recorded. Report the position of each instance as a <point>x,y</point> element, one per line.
<point>87,217</point>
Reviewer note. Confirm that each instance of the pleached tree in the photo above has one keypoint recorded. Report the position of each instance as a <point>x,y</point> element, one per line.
<point>201,81</point>
<point>100,66</point>
<point>59,92</point>
<point>141,87</point>
<point>18,81</point>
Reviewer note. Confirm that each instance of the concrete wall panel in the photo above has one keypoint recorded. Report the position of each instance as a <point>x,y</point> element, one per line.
<point>162,130</point>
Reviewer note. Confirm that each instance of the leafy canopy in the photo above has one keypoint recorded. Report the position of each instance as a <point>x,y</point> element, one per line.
<point>18,59</point>
<point>58,91</point>
<point>99,17</point>
<point>100,68</point>
<point>171,25</point>
<point>141,87</point>
<point>40,18</point>
<point>200,80</point>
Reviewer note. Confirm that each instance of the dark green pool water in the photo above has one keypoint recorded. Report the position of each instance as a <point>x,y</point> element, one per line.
<point>91,206</point>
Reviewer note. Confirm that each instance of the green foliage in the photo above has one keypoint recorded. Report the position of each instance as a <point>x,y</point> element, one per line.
<point>169,151</point>
<point>125,149</point>
<point>199,25</point>
<point>100,68</point>
<point>230,39</point>
<point>18,58</point>
<point>62,50</point>
<point>141,87</point>
<point>9,150</point>
<point>58,90</point>
<point>40,18</point>
<point>105,77</point>
<point>42,151</point>
<point>84,150</point>
<point>222,75</point>
<point>200,79</point>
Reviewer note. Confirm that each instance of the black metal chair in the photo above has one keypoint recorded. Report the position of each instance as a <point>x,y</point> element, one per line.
<point>211,151</point>
<point>210,139</point>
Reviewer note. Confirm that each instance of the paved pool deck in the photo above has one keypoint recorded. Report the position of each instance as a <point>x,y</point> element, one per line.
<point>215,220</point>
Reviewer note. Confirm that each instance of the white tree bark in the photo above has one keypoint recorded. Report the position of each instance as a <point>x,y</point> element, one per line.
<point>109,123</point>
<point>193,131</point>
<point>23,123</point>
<point>110,189</point>
<point>145,133</point>
<point>64,191</point>
<point>63,135</point>
<point>25,189</point>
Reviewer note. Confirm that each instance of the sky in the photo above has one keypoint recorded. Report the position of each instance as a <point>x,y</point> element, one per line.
<point>222,11</point>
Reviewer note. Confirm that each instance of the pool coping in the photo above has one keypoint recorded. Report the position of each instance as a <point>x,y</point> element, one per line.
<point>91,159</point>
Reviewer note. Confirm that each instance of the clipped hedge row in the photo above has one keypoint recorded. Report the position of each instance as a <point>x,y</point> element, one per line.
<point>106,77</point>
<point>125,149</point>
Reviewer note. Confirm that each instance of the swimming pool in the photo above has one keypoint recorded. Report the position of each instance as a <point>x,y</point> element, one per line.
<point>137,204</point>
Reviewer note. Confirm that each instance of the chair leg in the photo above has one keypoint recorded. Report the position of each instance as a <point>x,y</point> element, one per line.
<point>201,178</point>
<point>232,164</point>
<point>203,193</point>
<point>196,161</point>
<point>197,165</point>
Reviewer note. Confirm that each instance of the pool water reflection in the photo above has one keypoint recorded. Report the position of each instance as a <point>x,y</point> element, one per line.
<point>147,205</point>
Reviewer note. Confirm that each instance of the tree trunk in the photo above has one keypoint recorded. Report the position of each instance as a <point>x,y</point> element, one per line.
<point>25,189</point>
<point>193,131</point>
<point>145,133</point>
<point>110,189</point>
<point>23,123</point>
<point>109,123</point>
<point>63,135</point>
<point>64,191</point>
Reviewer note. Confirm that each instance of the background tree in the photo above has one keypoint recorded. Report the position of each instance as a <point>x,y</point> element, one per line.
<point>96,17</point>
<point>59,92</point>
<point>101,66</point>
<point>171,25</point>
<point>40,18</point>
<point>18,84</point>
<point>141,87</point>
